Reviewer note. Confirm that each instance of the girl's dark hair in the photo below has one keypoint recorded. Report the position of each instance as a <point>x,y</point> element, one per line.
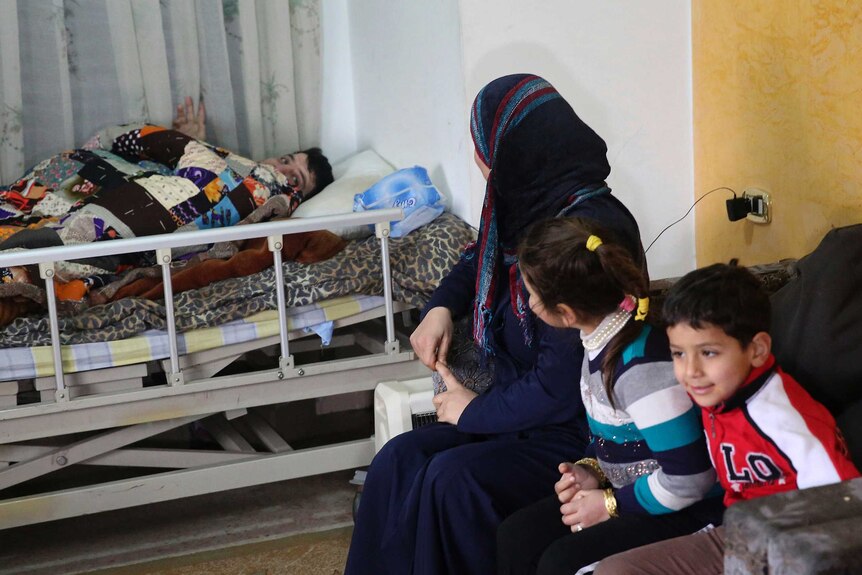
<point>319,165</point>
<point>554,259</point>
<point>724,295</point>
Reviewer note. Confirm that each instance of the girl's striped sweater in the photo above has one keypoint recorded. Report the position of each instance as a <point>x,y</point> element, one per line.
<point>651,444</point>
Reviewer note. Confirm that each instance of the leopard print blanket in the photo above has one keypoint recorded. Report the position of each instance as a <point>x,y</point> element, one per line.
<point>418,262</point>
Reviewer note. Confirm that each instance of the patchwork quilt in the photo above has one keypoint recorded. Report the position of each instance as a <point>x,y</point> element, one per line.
<point>128,181</point>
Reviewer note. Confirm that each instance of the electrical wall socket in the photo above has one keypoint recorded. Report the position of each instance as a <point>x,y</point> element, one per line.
<point>761,205</point>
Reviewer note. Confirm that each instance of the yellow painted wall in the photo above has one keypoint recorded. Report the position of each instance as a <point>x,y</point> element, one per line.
<point>777,105</point>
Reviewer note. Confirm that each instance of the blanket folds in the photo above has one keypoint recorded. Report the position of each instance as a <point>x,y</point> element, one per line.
<point>304,248</point>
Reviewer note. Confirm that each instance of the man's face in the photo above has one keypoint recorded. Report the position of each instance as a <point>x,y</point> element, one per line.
<point>295,169</point>
<point>708,363</point>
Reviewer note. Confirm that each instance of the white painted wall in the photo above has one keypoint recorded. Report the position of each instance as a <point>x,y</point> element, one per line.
<point>626,69</point>
<point>338,122</point>
<point>414,67</point>
<point>409,89</point>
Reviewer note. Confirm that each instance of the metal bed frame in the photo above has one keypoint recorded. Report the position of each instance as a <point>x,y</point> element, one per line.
<point>119,415</point>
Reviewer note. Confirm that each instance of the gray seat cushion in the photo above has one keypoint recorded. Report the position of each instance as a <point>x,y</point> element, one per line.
<point>817,327</point>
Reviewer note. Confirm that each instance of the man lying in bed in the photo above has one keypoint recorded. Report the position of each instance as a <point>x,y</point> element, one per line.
<point>302,169</point>
<point>137,181</point>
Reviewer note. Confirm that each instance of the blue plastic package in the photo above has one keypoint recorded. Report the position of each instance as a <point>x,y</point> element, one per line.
<point>409,189</point>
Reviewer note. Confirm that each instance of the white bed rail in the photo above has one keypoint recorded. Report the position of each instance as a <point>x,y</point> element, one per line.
<point>162,244</point>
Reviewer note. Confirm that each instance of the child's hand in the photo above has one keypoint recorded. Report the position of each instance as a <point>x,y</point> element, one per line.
<point>451,403</point>
<point>586,509</point>
<point>573,478</point>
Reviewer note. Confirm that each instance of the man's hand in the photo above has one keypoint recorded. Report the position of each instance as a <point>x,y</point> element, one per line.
<point>586,509</point>
<point>432,337</point>
<point>189,122</point>
<point>573,478</point>
<point>451,403</point>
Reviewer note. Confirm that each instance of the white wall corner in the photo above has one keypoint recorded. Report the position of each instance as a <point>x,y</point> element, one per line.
<point>409,89</point>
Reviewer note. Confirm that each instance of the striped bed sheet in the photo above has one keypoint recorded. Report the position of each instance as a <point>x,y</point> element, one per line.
<point>30,362</point>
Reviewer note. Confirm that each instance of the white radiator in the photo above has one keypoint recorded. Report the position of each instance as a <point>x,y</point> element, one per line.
<point>400,406</point>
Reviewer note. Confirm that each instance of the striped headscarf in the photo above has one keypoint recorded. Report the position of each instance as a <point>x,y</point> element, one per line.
<point>543,159</point>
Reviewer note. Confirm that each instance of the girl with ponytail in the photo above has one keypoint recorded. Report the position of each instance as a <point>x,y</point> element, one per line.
<point>649,469</point>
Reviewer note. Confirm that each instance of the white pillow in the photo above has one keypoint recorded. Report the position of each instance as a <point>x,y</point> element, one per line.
<point>353,175</point>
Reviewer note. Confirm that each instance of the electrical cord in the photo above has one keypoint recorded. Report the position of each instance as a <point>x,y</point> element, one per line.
<point>688,212</point>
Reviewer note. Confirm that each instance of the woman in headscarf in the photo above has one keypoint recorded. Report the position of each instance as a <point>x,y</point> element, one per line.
<point>434,496</point>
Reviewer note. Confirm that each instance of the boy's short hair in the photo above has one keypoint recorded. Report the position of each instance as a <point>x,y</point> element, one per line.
<point>319,165</point>
<point>724,295</point>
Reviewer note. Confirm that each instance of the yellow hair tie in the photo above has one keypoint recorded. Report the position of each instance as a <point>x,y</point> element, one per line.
<point>643,308</point>
<point>593,242</point>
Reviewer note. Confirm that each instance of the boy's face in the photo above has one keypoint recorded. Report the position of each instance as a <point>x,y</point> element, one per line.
<point>710,364</point>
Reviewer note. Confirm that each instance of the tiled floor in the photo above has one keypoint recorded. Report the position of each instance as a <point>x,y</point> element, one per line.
<point>182,527</point>
<point>320,553</point>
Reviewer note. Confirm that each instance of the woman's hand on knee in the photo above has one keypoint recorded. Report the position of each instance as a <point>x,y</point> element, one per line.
<point>433,336</point>
<point>586,509</point>
<point>573,478</point>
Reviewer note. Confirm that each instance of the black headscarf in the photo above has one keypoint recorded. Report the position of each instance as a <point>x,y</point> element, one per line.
<point>543,158</point>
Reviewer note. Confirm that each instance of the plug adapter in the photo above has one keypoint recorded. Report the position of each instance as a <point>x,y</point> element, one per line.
<point>738,208</point>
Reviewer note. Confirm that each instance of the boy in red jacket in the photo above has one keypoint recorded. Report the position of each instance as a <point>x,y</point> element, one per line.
<point>765,433</point>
